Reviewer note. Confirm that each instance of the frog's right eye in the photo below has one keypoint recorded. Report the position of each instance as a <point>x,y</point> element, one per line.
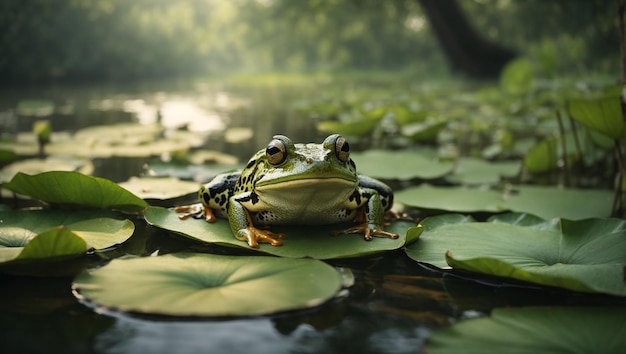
<point>276,152</point>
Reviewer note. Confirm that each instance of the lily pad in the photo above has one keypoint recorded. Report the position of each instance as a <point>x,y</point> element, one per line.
<point>401,164</point>
<point>536,330</point>
<point>552,202</point>
<point>99,229</point>
<point>456,199</point>
<point>52,163</point>
<point>586,255</point>
<point>159,188</point>
<point>19,246</point>
<point>76,189</point>
<point>473,171</point>
<point>302,241</point>
<point>187,284</point>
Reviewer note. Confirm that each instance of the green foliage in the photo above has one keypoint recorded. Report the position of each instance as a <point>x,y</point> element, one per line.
<point>603,114</point>
<point>53,244</point>
<point>417,163</point>
<point>188,284</point>
<point>302,241</point>
<point>543,201</point>
<point>536,330</point>
<point>74,189</point>
<point>517,77</point>
<point>122,40</point>
<point>46,242</point>
<point>587,255</point>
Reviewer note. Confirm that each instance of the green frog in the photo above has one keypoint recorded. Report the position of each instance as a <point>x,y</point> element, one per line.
<point>295,184</point>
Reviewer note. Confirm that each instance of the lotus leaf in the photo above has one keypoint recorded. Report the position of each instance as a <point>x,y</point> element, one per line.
<point>536,330</point>
<point>304,241</point>
<point>52,163</point>
<point>456,199</point>
<point>76,189</point>
<point>586,255</point>
<point>187,284</point>
<point>546,202</point>
<point>100,230</point>
<point>472,171</point>
<point>603,114</point>
<point>552,202</point>
<point>159,188</point>
<point>401,164</point>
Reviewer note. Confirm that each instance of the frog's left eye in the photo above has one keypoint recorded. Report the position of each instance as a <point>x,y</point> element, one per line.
<point>342,149</point>
<point>276,152</point>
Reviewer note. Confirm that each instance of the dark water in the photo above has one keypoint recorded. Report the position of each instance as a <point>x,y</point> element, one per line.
<point>392,307</point>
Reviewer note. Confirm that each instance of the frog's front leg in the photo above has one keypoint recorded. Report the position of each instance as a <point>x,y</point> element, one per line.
<point>243,227</point>
<point>371,220</point>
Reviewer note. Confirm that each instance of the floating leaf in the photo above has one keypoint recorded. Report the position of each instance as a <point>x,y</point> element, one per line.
<point>209,285</point>
<point>400,164</point>
<point>37,108</point>
<point>354,128</point>
<point>602,114</point>
<point>98,229</point>
<point>472,171</point>
<point>587,255</point>
<point>51,163</point>
<point>551,202</point>
<point>542,157</point>
<point>159,187</point>
<point>75,189</point>
<point>536,330</point>
<point>517,77</point>
<point>304,241</point>
<point>238,135</point>
<point>427,131</point>
<point>457,199</point>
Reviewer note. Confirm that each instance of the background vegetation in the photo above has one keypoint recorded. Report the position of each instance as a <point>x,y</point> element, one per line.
<point>44,40</point>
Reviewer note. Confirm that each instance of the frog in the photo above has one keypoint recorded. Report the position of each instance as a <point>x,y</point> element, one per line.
<point>289,183</point>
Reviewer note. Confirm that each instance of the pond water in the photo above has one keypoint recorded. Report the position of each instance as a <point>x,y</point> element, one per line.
<point>392,307</point>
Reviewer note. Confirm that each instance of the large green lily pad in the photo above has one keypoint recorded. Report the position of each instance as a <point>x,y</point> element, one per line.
<point>546,202</point>
<point>586,255</point>
<point>20,246</point>
<point>536,330</point>
<point>456,199</point>
<point>159,188</point>
<point>75,189</point>
<point>187,284</point>
<point>400,164</point>
<point>38,235</point>
<point>553,202</point>
<point>302,241</point>
<point>474,171</point>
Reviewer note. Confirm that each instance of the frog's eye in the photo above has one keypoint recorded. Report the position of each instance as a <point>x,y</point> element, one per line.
<point>342,149</point>
<point>276,152</point>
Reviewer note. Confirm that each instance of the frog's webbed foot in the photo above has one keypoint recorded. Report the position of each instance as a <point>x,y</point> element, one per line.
<point>196,211</point>
<point>367,230</point>
<point>392,215</point>
<point>254,236</point>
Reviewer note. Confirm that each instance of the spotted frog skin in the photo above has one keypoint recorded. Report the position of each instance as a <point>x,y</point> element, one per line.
<point>296,184</point>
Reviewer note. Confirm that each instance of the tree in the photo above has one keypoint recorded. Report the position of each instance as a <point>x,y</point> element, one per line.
<point>465,49</point>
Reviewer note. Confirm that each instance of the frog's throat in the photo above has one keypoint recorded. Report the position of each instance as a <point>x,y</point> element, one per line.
<point>306,183</point>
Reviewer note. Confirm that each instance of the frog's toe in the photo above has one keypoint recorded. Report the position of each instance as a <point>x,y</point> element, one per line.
<point>255,236</point>
<point>367,231</point>
<point>188,210</point>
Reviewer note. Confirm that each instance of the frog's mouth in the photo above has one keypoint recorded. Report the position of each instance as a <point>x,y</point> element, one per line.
<point>304,199</point>
<point>313,183</point>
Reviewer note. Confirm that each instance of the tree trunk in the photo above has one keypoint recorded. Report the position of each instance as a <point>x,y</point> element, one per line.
<point>466,51</point>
